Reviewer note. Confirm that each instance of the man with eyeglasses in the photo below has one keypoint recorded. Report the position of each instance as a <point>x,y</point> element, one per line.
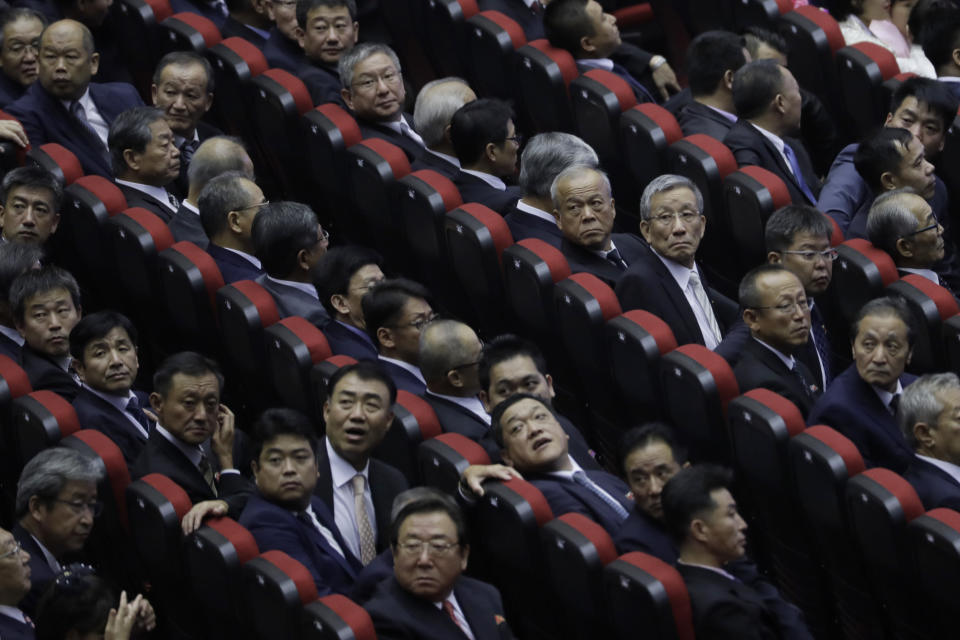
<point>55,510</point>
<point>228,205</point>
<point>14,585</point>
<point>428,598</point>
<point>777,312</point>
<point>342,278</point>
<point>19,54</point>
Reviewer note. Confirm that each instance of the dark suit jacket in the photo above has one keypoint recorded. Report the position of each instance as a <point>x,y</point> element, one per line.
<point>232,266</point>
<point>583,261</point>
<point>41,575</point>
<point>725,608</point>
<point>137,198</point>
<point>473,189</point>
<point>758,367</point>
<point>399,615</point>
<point>11,629</point>
<point>276,528</point>
<point>404,380</point>
<point>10,348</point>
<point>385,484</point>
<point>46,374</point>
<point>323,84</point>
<point>434,162</point>
<point>523,225</point>
<point>936,487</point>
<point>852,407</point>
<point>293,302</point>
<point>519,12</point>
<point>45,119</point>
<point>410,147</point>
<point>695,117</point>
<point>207,10</point>
<point>952,87</point>
<point>10,90</point>
<point>565,496</point>
<point>233,28</point>
<point>455,419</point>
<point>750,147</point>
<point>282,52</point>
<point>640,532</point>
<point>185,225</point>
<point>94,412</point>
<point>344,341</point>
<point>371,576</point>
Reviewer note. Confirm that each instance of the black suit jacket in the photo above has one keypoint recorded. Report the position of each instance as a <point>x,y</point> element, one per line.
<point>11,629</point>
<point>233,28</point>
<point>434,162</point>
<point>641,532</point>
<point>759,367</point>
<point>695,117</point>
<point>10,348</point>
<point>185,225</point>
<point>952,87</point>
<point>10,90</point>
<point>936,487</point>
<point>750,147</point>
<point>282,52</point>
<point>583,261</point>
<point>137,198</point>
<point>41,575</point>
<point>725,608</point>
<point>404,380</point>
<point>233,267</point>
<point>46,374</point>
<point>409,145</point>
<point>94,412</point>
<point>399,615</point>
<point>293,302</point>
<point>323,84</point>
<point>524,225</point>
<point>455,419</point>
<point>473,189</point>
<point>565,496</point>
<point>344,341</point>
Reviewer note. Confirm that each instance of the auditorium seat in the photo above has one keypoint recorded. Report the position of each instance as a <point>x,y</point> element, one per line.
<point>276,587</point>
<point>644,592</point>
<point>636,341</point>
<point>934,539</point>
<point>293,347</point>
<point>646,132</point>
<point>235,63</point>
<point>12,155</point>
<point>58,160</point>
<point>931,306</point>
<point>760,13</point>
<point>137,31</point>
<point>137,237</point>
<point>87,205</point>
<point>446,22</point>
<point>860,273</point>
<point>951,339</point>
<point>328,132</point>
<point>531,269</point>
<point>444,458</point>
<point>244,310</point>
<point>320,375</point>
<point>38,420</point>
<point>425,197</point>
<point>336,617</point>
<point>813,37</point>
<point>414,422</point>
<point>278,100</point>
<point>861,71</point>
<point>189,281</point>
<point>188,31</point>
<point>541,87</point>
<point>14,383</point>
<point>751,195</point>
<point>492,40</point>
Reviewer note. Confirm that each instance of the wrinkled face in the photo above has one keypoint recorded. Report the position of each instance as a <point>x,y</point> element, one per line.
<point>286,471</point>
<point>182,94</point>
<point>533,440</point>
<point>606,35</point>
<point>377,92</point>
<point>915,170</point>
<point>14,569</point>
<point>724,529</point>
<point>110,363</point>
<point>881,350</point>
<point>190,408</point>
<point>19,53</point>
<point>927,246</point>
<point>357,414</point>
<point>946,432</point>
<point>518,374</point>
<point>922,122</point>
<point>284,15</point>
<point>360,282</point>
<point>648,469</point>
<point>65,65</point>
<point>159,163</point>
<point>65,523</point>
<point>428,559</point>
<point>586,210</point>
<point>329,33</point>
<point>784,322</point>
<point>29,215</point>
<point>810,265</point>
<point>676,225</point>
<point>48,318</point>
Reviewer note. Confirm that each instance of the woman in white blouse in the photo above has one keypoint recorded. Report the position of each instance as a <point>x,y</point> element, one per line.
<point>855,18</point>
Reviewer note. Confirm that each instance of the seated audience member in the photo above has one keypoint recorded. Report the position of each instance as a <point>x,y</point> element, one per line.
<point>928,415</point>
<point>104,349</point>
<point>665,280</point>
<point>15,258</point>
<point>215,156</point>
<point>248,19</point>
<point>46,306</point>
<point>55,511</point>
<point>395,312</point>
<point>902,224</point>
<point>282,49</point>
<point>14,585</point>
<point>373,90</point>
<point>31,205</point>
<point>342,277</point>
<point>776,310</point>
<point>855,18</point>
<point>194,442</point>
<point>486,143</point>
<point>940,45</point>
<point>862,401</point>
<point>63,106</point>
<point>702,517</point>
<point>228,206</point>
<point>544,157</point>
<point>328,29</point>
<point>918,105</point>
<point>21,28</point>
<point>428,598</point>
<point>145,160</point>
<point>767,98</point>
<point>712,59</point>
<point>436,103</point>
<point>284,514</point>
<point>584,208</point>
<point>289,242</point>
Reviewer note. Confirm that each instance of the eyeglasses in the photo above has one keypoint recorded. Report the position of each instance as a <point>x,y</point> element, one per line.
<point>390,77</point>
<point>13,552</point>
<point>324,235</point>
<point>665,219</point>
<point>788,307</point>
<point>417,324</point>
<point>17,48</point>
<point>517,138</point>
<point>926,228</point>
<point>434,549</point>
<point>809,256</point>
<point>254,206</point>
<point>95,507</point>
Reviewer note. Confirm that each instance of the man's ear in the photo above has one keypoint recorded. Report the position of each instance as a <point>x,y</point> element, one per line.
<point>490,151</point>
<point>154,90</point>
<point>905,247</point>
<point>889,181</point>
<point>699,530</point>
<point>347,96</point>
<point>132,159</point>
<point>385,337</point>
<point>728,79</point>
<point>774,257</point>
<point>750,317</point>
<point>233,221</point>
<point>485,399</point>
<point>156,401</point>
<point>586,44</point>
<point>924,435</point>
<point>645,230</point>
<point>339,302</point>
<point>94,63</point>
<point>80,369</point>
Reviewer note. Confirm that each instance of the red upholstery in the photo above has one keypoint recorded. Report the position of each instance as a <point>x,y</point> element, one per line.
<point>826,22</point>
<point>948,517</point>
<point>161,9</point>
<point>306,588</point>
<point>65,159</point>
<point>355,616</point>
<point>294,85</point>
<point>782,407</point>
<point>348,127</point>
<point>616,84</point>
<point>771,182</point>
<point>495,224</point>
<point>423,412</point>
<point>439,183</point>
<point>946,303</point>
<point>469,8</point>
<point>342,361</point>
<point>60,409</point>
<point>842,445</point>
<point>673,584</point>
<point>901,77</point>
<point>836,235</point>
<point>116,466</point>
<point>107,192</point>
<point>212,278</point>
<point>205,26</point>
<point>600,290</point>
<point>157,228</point>
<point>241,539</point>
<point>15,377</point>
<point>470,450</point>
<point>556,262</point>
<point>721,154</point>
<point>657,328</point>
<point>254,58</point>
<point>568,66</point>
<point>884,58</point>
<point>517,37</point>
<point>663,118</point>
<point>596,534</point>
<point>393,154</point>
<point>723,377</point>
<point>171,491</point>
<point>883,261</point>
<point>902,490</point>
<point>634,15</point>
<point>261,299</point>
<point>312,337</point>
<point>541,508</point>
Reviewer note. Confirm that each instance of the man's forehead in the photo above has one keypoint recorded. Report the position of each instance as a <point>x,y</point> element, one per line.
<point>186,382</point>
<point>31,192</point>
<point>881,325</point>
<point>518,366</point>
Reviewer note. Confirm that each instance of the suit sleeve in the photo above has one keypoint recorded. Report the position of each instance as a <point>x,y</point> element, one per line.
<point>789,617</point>
<point>387,626</point>
<point>560,501</point>
<point>30,121</point>
<point>632,292</point>
<point>273,535</point>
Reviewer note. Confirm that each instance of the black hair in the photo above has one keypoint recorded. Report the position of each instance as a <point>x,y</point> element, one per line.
<point>885,306</point>
<point>364,370</point>
<point>477,124</point>
<point>304,7</point>
<point>333,272</point>
<point>687,495</point>
<point>505,347</point>
<point>930,92</point>
<point>565,22</point>
<point>76,600</point>
<point>710,55</point>
<point>755,85</point>
<point>647,434</point>
<point>880,153</point>
<point>436,501</point>
<point>97,325</point>
<point>280,421</point>
<point>33,282</point>
<point>786,222</point>
<point>383,303</point>
<point>189,363</point>
<point>496,429</point>
<point>280,232</point>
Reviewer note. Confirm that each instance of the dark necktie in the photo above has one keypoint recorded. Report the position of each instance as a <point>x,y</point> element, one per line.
<point>803,381</point>
<point>172,199</point>
<point>820,344</point>
<point>795,168</point>
<point>536,8</point>
<point>448,607</point>
<point>943,283</point>
<point>207,472</point>
<point>81,115</point>
<point>187,150</point>
<point>894,403</point>
<point>133,408</point>
<point>639,90</point>
<point>580,477</point>
<point>614,256</point>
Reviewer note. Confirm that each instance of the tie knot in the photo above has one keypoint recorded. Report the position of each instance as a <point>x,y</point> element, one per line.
<point>133,403</point>
<point>358,482</point>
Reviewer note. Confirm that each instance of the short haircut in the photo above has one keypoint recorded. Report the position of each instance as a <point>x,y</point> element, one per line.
<point>204,167</point>
<point>281,421</point>
<point>942,38</point>
<point>20,13</point>
<point>76,600</point>
<point>332,274</point>
<point>565,22</point>
<point>406,497</point>
<point>34,177</point>
<point>189,363</point>
<point>223,194</point>
<point>663,183</point>
<point>710,55</point>
<point>925,16</point>
<point>184,58</point>
<point>36,281</point>
<point>496,417</point>
<point>280,231</point>
<point>889,220</point>
<point>687,496</point>
<point>546,155</point>
<point>15,259</point>
<point>842,9</point>
<point>98,325</point>
<point>885,306</point>
<point>879,153</point>
<point>48,472</point>
<point>754,36</point>
<point>647,434</point>
<point>477,124</point>
<point>358,54</point>
<point>434,107</point>
<point>436,501</point>
<point>365,370</point>
<point>131,130</point>
<point>749,292</point>
<point>755,85</point>
<point>382,304</point>
<point>569,172</point>
<point>919,403</point>
<point>786,222</point>
<point>507,347</point>
<point>441,349</point>
<point>930,92</point>
<point>304,7</point>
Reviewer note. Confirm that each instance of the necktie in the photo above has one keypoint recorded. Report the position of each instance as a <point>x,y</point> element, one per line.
<point>448,607</point>
<point>894,403</point>
<point>639,90</point>
<point>803,381</point>
<point>133,408</point>
<point>943,283</point>
<point>207,472</point>
<point>408,132</point>
<point>580,477</point>
<point>820,344</point>
<point>614,256</point>
<point>696,285</point>
<point>795,168</point>
<point>173,201</point>
<point>368,546</point>
<point>81,115</point>
<point>221,7</point>
<point>186,152</point>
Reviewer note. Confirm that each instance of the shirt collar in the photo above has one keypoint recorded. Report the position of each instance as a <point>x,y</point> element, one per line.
<point>947,467</point>
<point>13,334</point>
<point>929,274</point>
<point>350,327</point>
<point>341,471</point>
<point>709,568</point>
<point>13,612</point>
<point>789,362</point>
<point>84,100</point>
<point>451,159</point>
<point>597,63</point>
<point>567,474</point>
<point>306,287</point>
<point>471,404</point>
<point>51,561</point>
<point>118,402</point>
<point>949,78</point>
<point>601,253</point>
<point>405,365</point>
<point>775,139</point>
<point>726,114</point>
<point>193,453</point>
<point>189,207</point>
<point>679,272</point>
<point>158,193</point>
<point>535,211</point>
<point>252,259</point>
<point>886,396</point>
<point>489,178</point>
<point>178,140</point>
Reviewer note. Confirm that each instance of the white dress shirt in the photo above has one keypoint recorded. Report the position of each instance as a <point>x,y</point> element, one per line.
<point>342,473</point>
<point>681,275</point>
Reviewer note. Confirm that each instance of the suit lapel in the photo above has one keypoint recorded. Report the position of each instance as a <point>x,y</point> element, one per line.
<point>325,478</point>
<point>346,561</point>
<point>453,406</point>
<point>676,296</point>
<point>381,510</point>
<point>482,621</point>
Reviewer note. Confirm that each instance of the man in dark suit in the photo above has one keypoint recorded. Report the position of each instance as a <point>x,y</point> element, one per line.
<point>861,402</point>
<point>282,49</point>
<point>31,205</point>
<point>702,517</point>
<point>544,157</point>
<point>928,418</point>
<point>284,514</point>
<point>776,310</point>
<point>486,143</point>
<point>46,306</point>
<point>767,99</point>
<point>712,59</point>
<point>584,207</point>
<point>228,206</point>
<point>248,19</point>
<point>665,279</point>
<point>14,585</point>
<point>104,349</point>
<point>436,103</point>
<point>289,242</point>
<point>395,312</point>
<point>64,106</point>
<point>328,29</point>
<point>21,28</point>
<point>15,258</point>
<point>940,46</point>
<point>342,277</point>
<point>427,598</point>
<point>145,160</point>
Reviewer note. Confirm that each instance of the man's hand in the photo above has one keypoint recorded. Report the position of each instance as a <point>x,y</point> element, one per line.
<point>120,620</point>
<point>476,474</point>
<point>666,80</point>
<point>222,440</point>
<point>200,512</point>
<point>146,617</point>
<point>12,131</point>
